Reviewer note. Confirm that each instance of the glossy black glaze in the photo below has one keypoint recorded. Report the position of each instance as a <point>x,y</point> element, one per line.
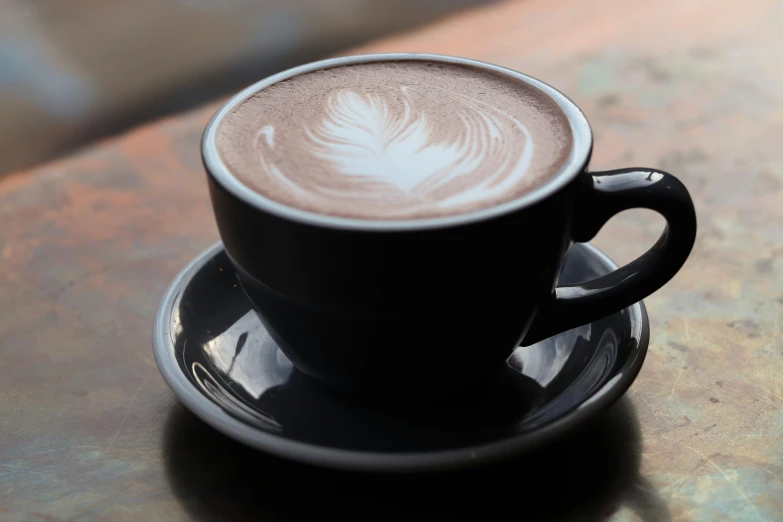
<point>603,195</point>
<point>358,309</point>
<point>221,362</point>
<point>360,304</point>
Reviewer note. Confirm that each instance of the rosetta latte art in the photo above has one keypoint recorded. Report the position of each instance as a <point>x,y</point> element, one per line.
<point>382,148</point>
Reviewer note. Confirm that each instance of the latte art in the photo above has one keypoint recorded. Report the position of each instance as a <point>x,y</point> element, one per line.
<point>404,147</point>
<point>387,151</point>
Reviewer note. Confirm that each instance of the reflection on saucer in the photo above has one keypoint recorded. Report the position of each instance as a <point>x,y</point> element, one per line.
<point>544,360</point>
<point>247,355</point>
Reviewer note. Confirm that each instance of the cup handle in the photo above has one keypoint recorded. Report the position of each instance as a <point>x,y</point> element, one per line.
<point>600,196</point>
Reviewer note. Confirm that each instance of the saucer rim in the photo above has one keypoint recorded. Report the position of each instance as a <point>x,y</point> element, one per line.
<point>368,461</point>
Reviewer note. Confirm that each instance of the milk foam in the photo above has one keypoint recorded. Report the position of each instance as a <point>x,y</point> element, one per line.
<point>407,144</point>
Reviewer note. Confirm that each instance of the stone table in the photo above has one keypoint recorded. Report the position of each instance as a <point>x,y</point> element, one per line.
<point>89,431</point>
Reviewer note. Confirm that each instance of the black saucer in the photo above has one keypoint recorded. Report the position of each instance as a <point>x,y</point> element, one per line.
<point>218,359</point>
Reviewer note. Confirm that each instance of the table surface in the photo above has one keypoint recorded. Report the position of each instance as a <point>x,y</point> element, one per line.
<point>89,431</point>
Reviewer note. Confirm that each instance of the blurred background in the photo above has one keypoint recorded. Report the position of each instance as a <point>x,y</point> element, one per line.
<point>73,71</point>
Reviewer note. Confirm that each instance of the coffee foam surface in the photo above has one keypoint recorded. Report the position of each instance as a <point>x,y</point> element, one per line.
<point>395,140</point>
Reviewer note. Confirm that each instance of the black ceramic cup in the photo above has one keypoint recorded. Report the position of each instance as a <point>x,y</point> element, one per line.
<point>415,310</point>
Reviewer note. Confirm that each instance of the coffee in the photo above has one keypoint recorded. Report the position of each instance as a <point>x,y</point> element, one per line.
<point>395,140</point>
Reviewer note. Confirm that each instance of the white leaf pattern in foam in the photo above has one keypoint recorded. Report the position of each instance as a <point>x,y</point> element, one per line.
<point>360,137</point>
<point>377,150</point>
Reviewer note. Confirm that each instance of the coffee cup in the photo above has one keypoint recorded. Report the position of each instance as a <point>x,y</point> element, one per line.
<point>399,221</point>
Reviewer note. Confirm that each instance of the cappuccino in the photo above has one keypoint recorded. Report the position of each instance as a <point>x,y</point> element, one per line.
<point>395,140</point>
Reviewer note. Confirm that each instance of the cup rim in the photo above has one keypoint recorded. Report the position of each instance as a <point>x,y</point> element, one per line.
<point>575,162</point>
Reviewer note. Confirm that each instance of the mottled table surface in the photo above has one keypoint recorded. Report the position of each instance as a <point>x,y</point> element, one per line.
<point>89,431</point>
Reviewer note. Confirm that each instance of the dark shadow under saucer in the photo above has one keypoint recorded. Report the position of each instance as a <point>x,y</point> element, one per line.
<point>220,361</point>
<point>587,475</point>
